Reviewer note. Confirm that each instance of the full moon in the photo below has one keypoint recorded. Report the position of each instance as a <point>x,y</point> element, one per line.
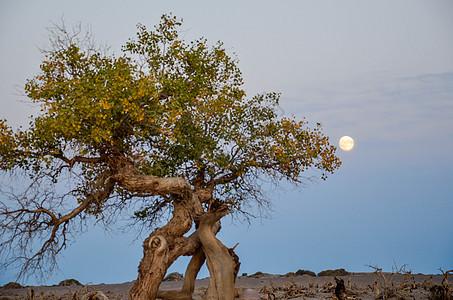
<point>346,143</point>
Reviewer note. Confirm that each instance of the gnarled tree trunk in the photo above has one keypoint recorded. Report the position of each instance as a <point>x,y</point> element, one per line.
<point>168,243</point>
<point>192,270</point>
<point>190,276</point>
<point>159,252</point>
<point>222,263</point>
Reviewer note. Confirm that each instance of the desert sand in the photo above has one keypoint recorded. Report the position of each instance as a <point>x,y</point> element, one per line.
<point>264,286</point>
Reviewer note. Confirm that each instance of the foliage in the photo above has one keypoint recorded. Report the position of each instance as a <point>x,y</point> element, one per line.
<point>174,108</point>
<point>165,108</point>
<point>305,272</point>
<point>69,282</point>
<point>336,272</point>
<point>175,276</point>
<point>256,275</point>
<point>12,285</point>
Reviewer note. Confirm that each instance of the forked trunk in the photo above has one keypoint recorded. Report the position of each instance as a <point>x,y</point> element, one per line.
<point>190,276</point>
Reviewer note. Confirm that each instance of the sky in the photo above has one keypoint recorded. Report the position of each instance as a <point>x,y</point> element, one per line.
<point>378,71</point>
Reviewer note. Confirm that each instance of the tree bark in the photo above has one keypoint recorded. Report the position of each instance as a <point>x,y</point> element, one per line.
<point>222,265</point>
<point>159,252</point>
<point>167,243</point>
<point>131,180</point>
<point>192,270</point>
<point>195,264</point>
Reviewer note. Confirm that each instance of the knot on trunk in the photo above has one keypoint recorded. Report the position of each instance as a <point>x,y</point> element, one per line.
<point>158,244</point>
<point>204,195</point>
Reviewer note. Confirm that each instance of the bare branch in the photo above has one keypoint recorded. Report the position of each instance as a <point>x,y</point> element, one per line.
<point>31,222</point>
<point>78,159</point>
<point>61,37</point>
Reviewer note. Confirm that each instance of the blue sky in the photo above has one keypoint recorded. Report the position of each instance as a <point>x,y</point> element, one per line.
<point>379,71</point>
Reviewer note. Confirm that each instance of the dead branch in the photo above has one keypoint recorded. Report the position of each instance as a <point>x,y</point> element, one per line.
<point>445,279</point>
<point>61,37</point>
<point>387,290</point>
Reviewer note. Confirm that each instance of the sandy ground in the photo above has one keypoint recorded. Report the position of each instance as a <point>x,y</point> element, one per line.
<point>267,286</point>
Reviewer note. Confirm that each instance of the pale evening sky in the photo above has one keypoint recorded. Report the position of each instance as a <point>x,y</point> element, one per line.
<point>378,71</point>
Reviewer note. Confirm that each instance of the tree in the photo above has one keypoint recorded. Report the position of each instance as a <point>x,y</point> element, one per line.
<point>166,125</point>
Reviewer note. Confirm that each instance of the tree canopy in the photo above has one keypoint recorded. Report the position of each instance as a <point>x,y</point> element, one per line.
<point>164,119</point>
